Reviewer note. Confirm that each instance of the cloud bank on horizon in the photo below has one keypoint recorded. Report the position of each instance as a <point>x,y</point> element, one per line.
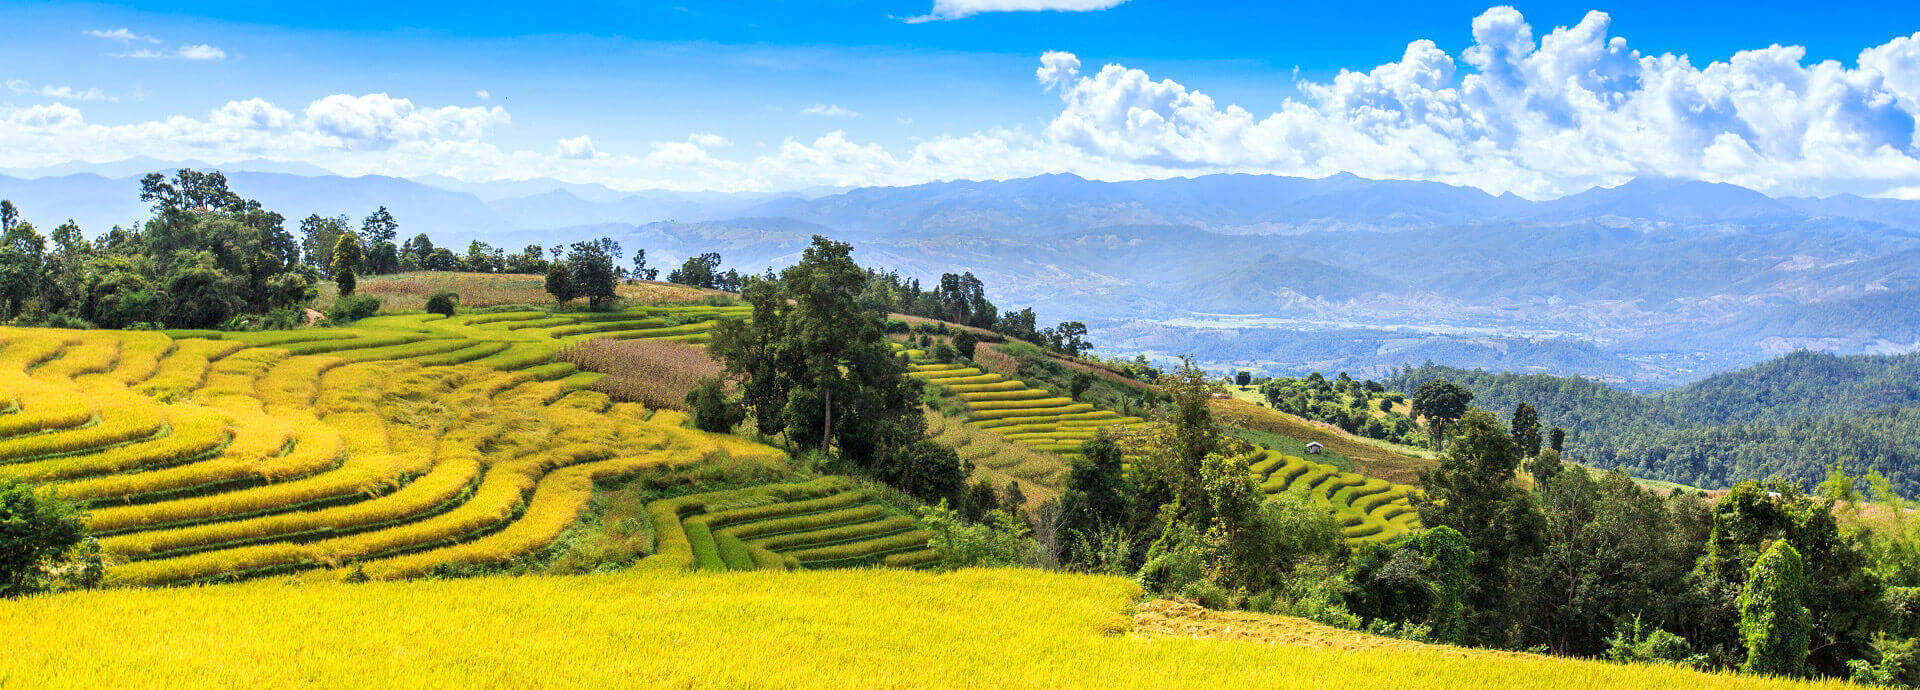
<point>1514,112</point>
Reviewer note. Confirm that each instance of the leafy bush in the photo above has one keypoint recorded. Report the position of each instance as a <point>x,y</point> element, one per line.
<point>712,411</point>
<point>443,303</point>
<point>35,532</point>
<point>998,541</point>
<point>353,308</point>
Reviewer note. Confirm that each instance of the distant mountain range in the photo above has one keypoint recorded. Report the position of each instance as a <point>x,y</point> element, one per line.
<point>1647,284</point>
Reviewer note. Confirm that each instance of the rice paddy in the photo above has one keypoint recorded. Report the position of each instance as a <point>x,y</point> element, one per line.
<point>392,448</point>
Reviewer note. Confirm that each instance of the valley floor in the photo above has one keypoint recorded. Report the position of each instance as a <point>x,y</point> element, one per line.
<point>846,628</point>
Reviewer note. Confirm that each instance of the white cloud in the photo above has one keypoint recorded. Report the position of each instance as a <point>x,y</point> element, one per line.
<point>958,9</point>
<point>1573,109</point>
<point>202,51</point>
<point>483,94</point>
<point>251,114</point>
<point>1537,113</point>
<point>58,93</point>
<point>120,34</point>
<point>828,110</point>
<point>377,121</point>
<point>577,148</point>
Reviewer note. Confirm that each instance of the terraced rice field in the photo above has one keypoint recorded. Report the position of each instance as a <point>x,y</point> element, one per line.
<point>1032,416</point>
<point>1369,510</point>
<point>387,449</point>
<point>825,523</point>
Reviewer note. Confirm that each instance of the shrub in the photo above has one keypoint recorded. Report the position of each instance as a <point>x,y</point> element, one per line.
<point>998,541</point>
<point>35,531</point>
<point>965,342</point>
<point>712,411</point>
<point>944,353</point>
<point>353,308</point>
<point>443,303</point>
<point>926,470</point>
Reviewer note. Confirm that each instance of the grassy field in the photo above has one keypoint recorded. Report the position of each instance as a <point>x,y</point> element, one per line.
<point>409,291</point>
<point>858,628</point>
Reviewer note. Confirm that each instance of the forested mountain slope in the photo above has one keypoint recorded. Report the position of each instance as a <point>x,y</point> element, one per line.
<point>1791,416</point>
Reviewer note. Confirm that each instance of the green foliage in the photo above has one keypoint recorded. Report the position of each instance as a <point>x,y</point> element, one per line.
<point>444,303</point>
<point>347,256</point>
<point>1774,621</point>
<point>1642,644</point>
<point>944,353</point>
<point>711,409</point>
<point>926,470</point>
<point>999,541</point>
<point>36,532</point>
<point>1846,601</point>
<point>1472,491</point>
<point>965,343</point>
<point>1788,417</point>
<point>353,308</point>
<point>1526,430</point>
<point>1895,663</point>
<point>813,364</point>
<point>1421,580</point>
<point>1441,402</point>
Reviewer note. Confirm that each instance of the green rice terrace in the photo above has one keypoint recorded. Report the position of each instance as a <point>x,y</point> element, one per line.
<point>1368,509</point>
<point>825,523</point>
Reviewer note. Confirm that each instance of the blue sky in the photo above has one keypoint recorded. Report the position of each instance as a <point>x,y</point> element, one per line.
<point>855,93</point>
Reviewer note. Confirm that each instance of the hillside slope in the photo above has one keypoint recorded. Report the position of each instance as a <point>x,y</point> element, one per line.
<point>865,628</point>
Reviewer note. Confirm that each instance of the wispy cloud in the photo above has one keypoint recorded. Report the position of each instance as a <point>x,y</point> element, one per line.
<point>58,93</point>
<point>202,51</point>
<point>828,110</point>
<point>199,51</point>
<point>121,34</point>
<point>944,10</point>
<point>483,94</point>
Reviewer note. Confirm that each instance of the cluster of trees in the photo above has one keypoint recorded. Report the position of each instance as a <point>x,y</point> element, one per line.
<point>206,256</point>
<point>1362,408</point>
<point>813,366</point>
<point>701,271</point>
<point>962,299</point>
<point>590,270</point>
<point>1767,579</point>
<point>1789,417</point>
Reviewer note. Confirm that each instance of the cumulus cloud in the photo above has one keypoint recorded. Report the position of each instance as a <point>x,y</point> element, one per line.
<point>120,34</point>
<point>959,9</point>
<point>828,110</point>
<point>1574,108</point>
<point>377,121</point>
<point>1539,113</point>
<point>58,93</point>
<point>577,148</point>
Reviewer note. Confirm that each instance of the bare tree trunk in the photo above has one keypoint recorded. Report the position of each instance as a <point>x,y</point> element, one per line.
<point>826,425</point>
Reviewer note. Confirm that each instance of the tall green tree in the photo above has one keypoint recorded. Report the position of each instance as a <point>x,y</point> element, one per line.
<point>378,230</point>
<point>1774,621</point>
<point>591,264</point>
<point>815,364</point>
<point>347,257</point>
<point>1442,402</point>
<point>1526,429</point>
<point>1472,490</point>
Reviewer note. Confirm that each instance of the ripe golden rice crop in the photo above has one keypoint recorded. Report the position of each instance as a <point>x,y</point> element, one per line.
<point>858,627</point>
<point>405,441</point>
